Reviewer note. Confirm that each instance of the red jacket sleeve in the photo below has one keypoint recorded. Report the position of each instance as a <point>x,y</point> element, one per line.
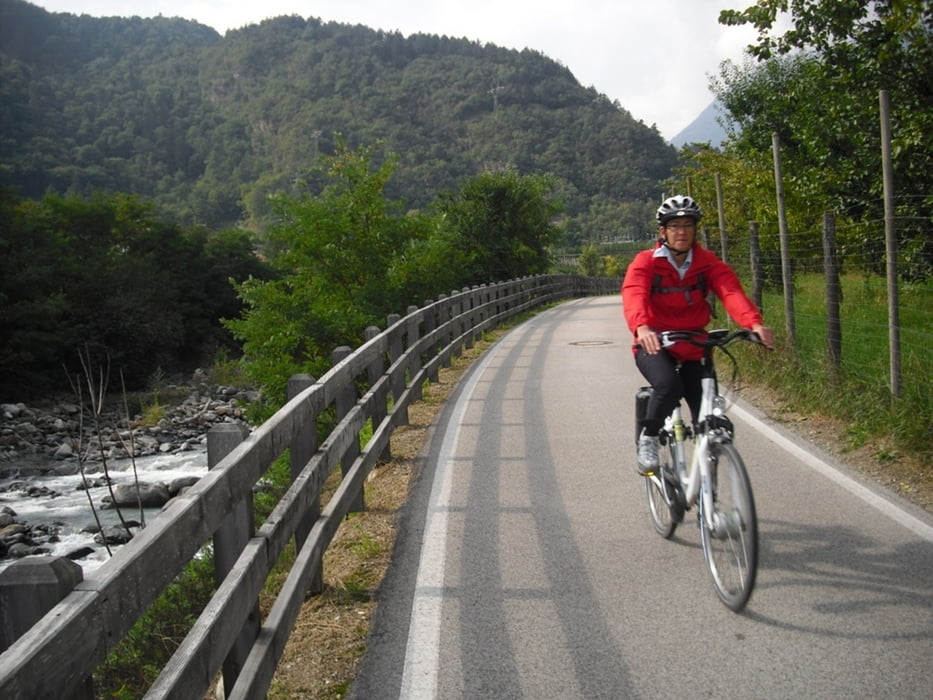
<point>727,286</point>
<point>636,290</point>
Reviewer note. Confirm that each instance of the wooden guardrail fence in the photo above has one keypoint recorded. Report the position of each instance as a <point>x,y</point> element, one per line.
<point>78,622</point>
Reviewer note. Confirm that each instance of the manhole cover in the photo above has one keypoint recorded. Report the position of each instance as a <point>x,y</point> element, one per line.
<point>591,343</point>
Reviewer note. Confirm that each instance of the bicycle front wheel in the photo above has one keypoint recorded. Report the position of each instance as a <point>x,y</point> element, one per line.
<point>730,536</point>
<point>662,515</point>
<point>664,499</point>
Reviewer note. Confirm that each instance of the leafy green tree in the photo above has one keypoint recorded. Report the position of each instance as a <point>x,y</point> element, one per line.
<point>590,263</point>
<point>333,253</point>
<point>503,225</point>
<point>817,86</point>
<point>612,266</point>
<point>107,276</point>
<point>425,266</point>
<point>32,304</point>
<point>828,94</point>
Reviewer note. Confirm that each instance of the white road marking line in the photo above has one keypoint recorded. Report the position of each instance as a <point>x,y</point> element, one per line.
<point>419,677</point>
<point>909,521</point>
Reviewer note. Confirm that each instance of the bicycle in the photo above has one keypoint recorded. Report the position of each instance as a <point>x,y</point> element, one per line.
<point>715,481</point>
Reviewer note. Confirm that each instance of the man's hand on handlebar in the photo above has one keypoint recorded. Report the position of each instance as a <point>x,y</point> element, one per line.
<point>648,340</point>
<point>766,335</point>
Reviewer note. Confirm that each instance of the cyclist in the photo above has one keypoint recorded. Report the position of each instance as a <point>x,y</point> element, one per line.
<point>665,289</point>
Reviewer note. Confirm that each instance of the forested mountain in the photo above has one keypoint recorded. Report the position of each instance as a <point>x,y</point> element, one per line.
<point>208,126</point>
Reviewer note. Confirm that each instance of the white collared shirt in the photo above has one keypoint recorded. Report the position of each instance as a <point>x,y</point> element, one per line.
<point>662,251</point>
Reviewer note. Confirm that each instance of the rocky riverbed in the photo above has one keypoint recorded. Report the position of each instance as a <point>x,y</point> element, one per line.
<point>59,442</point>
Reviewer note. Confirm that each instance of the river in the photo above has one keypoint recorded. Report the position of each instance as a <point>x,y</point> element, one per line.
<point>70,510</point>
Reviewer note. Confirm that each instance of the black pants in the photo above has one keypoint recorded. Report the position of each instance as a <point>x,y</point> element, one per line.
<point>670,386</point>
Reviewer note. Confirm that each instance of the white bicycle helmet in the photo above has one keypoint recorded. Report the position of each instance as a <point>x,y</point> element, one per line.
<point>678,206</point>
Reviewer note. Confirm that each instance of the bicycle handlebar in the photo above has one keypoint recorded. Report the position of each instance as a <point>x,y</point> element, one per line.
<point>716,338</point>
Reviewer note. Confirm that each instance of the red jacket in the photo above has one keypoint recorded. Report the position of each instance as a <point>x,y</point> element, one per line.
<point>654,295</point>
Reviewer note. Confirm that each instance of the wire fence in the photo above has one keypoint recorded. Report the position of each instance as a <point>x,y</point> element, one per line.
<point>859,258</point>
<point>836,319</point>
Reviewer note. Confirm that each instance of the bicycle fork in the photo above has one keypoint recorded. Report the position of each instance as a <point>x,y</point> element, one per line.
<point>722,524</point>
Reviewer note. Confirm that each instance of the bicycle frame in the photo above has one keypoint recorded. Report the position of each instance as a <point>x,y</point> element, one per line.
<point>695,479</point>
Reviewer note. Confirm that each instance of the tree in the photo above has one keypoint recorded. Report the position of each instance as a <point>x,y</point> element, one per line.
<point>503,225</point>
<point>31,307</point>
<point>590,263</point>
<point>817,85</point>
<point>107,276</point>
<point>852,49</point>
<point>333,253</point>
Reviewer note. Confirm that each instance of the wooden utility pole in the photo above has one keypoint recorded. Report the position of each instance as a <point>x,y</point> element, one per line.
<point>890,244</point>
<point>723,239</point>
<point>786,269</point>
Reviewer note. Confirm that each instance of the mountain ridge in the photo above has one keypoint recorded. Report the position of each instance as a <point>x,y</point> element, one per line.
<point>210,126</point>
<point>705,128</point>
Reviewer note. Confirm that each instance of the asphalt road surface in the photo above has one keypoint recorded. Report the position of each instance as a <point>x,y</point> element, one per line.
<point>527,567</point>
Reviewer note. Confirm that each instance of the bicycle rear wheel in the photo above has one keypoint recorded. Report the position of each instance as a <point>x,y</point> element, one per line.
<point>730,545</point>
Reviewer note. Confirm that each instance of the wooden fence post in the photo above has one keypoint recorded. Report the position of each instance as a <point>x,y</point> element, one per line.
<point>443,318</point>
<point>786,269</point>
<point>300,452</point>
<point>430,323</point>
<point>396,349</point>
<point>754,261</point>
<point>471,319</point>
<point>456,323</point>
<point>412,336</point>
<point>229,541</point>
<point>723,236</point>
<point>833,295</point>
<point>344,403</point>
<point>484,298</point>
<point>29,588</point>
<point>890,245</point>
<point>374,373</point>
<point>711,298</point>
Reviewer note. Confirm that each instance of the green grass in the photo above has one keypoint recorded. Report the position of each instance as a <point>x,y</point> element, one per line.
<point>859,391</point>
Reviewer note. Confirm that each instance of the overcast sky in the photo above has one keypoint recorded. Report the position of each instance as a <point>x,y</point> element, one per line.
<point>653,56</point>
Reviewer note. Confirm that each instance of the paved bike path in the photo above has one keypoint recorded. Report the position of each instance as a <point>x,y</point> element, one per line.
<point>526,566</point>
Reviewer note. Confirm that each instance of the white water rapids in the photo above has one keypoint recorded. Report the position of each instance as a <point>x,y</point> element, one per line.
<point>71,511</point>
